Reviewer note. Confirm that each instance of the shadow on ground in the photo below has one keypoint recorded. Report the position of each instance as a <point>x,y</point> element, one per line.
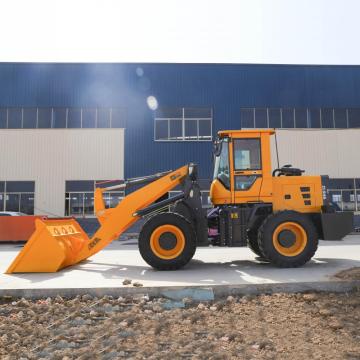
<point>201,273</point>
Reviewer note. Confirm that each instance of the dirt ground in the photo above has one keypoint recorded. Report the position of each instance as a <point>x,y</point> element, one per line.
<point>279,326</point>
<point>350,274</point>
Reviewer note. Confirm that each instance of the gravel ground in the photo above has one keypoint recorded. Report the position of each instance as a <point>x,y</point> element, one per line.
<point>279,326</point>
<point>350,274</point>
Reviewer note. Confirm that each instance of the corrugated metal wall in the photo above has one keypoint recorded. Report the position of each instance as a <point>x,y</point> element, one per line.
<point>50,157</point>
<point>320,152</point>
<point>225,88</point>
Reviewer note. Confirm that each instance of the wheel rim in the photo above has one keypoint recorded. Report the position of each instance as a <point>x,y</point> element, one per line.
<point>167,242</point>
<point>290,239</point>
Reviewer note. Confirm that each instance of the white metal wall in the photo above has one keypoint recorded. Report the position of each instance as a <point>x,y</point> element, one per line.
<point>51,156</point>
<point>320,152</point>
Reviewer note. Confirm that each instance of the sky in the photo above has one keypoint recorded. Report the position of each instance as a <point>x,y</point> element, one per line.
<point>183,31</point>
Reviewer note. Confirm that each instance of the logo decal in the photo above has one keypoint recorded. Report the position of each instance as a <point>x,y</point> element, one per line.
<point>93,243</point>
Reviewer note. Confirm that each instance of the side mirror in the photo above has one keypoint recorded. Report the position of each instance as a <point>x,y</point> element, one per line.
<point>217,147</point>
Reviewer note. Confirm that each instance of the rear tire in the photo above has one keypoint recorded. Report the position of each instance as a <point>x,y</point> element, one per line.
<point>252,237</point>
<point>167,241</point>
<point>288,239</point>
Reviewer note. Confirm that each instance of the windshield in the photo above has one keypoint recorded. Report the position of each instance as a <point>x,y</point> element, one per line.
<point>222,168</point>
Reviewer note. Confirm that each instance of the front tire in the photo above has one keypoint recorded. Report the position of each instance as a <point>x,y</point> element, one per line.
<point>288,239</point>
<point>167,241</point>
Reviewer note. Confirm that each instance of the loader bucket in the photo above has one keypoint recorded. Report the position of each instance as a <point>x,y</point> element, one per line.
<point>54,245</point>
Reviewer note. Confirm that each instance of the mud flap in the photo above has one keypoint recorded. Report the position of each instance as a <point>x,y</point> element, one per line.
<point>54,245</point>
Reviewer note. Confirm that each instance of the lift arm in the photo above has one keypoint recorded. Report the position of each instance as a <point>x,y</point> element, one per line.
<point>116,220</point>
<point>57,243</point>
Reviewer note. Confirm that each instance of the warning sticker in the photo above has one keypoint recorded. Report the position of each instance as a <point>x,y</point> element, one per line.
<point>62,230</point>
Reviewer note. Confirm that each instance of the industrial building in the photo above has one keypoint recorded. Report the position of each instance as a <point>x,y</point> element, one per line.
<point>65,127</point>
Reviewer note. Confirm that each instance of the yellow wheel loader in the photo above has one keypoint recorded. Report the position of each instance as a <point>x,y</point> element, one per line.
<point>279,214</point>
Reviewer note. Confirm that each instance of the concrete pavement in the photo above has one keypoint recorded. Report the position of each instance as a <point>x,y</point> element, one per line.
<point>225,270</point>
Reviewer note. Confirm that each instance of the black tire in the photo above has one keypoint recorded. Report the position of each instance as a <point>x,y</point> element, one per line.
<point>147,251</point>
<point>252,240</point>
<point>267,247</point>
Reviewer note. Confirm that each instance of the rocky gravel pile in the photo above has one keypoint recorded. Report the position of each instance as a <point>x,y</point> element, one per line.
<point>279,326</point>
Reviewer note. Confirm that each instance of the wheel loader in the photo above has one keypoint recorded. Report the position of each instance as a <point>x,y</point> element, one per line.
<point>280,214</point>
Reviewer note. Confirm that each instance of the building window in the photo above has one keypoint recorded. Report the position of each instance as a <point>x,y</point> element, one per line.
<point>274,118</point>
<point>3,118</point>
<point>103,118</point>
<point>340,118</point>
<point>247,116</point>
<point>261,118</point>
<point>59,118</point>
<point>354,118</point>
<point>301,118</point>
<point>336,198</point>
<point>287,118</point>
<point>314,116</point>
<point>79,197</point>
<point>345,194</point>
<point>14,118</point>
<point>88,118</point>
<point>183,124</point>
<point>29,118</point>
<point>62,118</point>
<point>74,118</point>
<point>327,118</point>
<point>44,118</point>
<point>17,196</point>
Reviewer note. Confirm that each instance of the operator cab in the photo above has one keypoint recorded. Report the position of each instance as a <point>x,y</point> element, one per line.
<point>241,160</point>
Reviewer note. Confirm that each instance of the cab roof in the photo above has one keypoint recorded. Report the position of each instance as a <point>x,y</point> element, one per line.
<point>223,133</point>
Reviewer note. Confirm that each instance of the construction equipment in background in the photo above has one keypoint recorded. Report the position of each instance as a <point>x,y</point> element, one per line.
<point>280,215</point>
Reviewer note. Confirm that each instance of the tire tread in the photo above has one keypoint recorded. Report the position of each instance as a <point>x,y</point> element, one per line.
<point>280,260</point>
<point>158,220</point>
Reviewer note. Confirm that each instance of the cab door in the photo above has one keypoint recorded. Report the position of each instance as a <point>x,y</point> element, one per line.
<point>247,172</point>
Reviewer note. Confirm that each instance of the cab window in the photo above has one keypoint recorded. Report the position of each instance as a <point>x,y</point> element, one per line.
<point>222,168</point>
<point>247,154</point>
<point>244,182</point>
